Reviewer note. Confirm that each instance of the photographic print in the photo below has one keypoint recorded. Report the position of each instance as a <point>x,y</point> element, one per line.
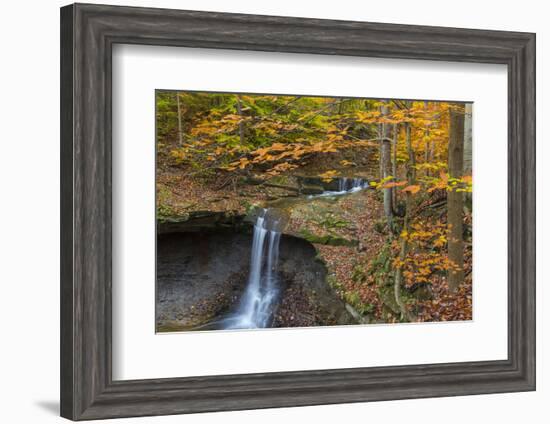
<point>277,211</point>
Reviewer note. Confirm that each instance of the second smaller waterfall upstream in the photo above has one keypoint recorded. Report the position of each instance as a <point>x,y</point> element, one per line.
<point>345,186</point>
<point>256,307</point>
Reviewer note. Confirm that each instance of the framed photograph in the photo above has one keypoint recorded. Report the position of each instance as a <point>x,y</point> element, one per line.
<point>268,211</point>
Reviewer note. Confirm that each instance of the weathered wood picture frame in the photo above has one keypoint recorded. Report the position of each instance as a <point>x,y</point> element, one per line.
<point>88,33</point>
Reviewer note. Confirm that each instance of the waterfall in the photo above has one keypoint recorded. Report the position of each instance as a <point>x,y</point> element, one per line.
<point>256,307</point>
<point>357,184</point>
<point>342,184</point>
<point>345,186</point>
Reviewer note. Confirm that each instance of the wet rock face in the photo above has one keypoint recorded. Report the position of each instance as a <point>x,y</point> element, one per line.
<point>199,276</point>
<point>202,275</point>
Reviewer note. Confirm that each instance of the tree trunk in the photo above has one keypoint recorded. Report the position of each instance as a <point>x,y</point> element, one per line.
<point>180,134</point>
<point>468,139</point>
<point>387,166</point>
<point>398,278</point>
<point>241,123</point>
<point>394,160</point>
<point>380,130</point>
<point>411,170</point>
<point>404,244</point>
<point>455,200</point>
<point>427,156</point>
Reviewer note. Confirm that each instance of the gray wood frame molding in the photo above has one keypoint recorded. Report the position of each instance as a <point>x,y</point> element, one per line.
<point>88,33</point>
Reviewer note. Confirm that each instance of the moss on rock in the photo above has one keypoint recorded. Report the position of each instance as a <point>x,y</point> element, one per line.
<point>327,239</point>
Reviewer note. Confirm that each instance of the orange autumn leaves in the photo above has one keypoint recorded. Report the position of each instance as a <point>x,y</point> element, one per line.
<point>389,183</point>
<point>291,152</point>
<point>244,133</point>
<point>265,134</point>
<point>430,184</point>
<point>427,254</point>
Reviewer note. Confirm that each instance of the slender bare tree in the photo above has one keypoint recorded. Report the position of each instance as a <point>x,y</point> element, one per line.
<point>427,145</point>
<point>386,160</point>
<point>394,160</point>
<point>241,123</point>
<point>180,133</point>
<point>468,139</point>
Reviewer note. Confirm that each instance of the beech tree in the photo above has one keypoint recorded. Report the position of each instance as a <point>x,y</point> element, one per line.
<point>455,202</point>
<point>180,134</point>
<point>404,240</point>
<point>468,139</point>
<point>241,119</point>
<point>386,162</point>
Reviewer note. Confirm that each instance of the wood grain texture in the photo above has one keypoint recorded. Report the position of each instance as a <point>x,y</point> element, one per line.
<point>67,218</point>
<point>88,33</point>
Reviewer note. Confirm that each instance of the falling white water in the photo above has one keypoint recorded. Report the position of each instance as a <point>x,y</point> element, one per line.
<point>345,186</point>
<point>259,299</point>
<point>256,307</point>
